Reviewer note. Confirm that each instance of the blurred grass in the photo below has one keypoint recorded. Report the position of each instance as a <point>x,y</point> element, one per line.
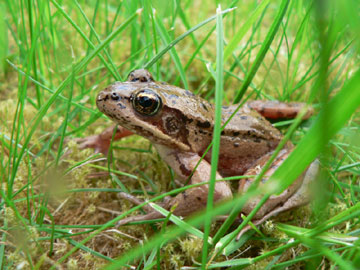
<point>61,53</point>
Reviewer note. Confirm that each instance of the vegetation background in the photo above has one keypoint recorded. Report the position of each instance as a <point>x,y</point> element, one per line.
<point>59,204</point>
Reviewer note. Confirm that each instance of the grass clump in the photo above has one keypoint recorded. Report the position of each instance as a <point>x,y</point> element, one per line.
<point>59,204</point>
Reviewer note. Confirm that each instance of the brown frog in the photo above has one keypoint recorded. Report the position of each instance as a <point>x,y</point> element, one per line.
<point>180,125</point>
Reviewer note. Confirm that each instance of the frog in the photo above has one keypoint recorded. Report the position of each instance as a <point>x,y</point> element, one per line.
<point>180,126</point>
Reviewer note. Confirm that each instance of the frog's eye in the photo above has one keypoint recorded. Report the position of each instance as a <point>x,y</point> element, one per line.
<point>146,102</point>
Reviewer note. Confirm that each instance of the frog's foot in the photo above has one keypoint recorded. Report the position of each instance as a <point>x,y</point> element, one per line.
<point>134,200</point>
<point>93,142</point>
<point>97,175</point>
<point>301,197</point>
<point>152,213</point>
<point>101,142</point>
<point>273,109</point>
<point>150,216</point>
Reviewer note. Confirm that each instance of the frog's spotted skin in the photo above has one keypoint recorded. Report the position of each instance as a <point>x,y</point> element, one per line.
<point>180,125</point>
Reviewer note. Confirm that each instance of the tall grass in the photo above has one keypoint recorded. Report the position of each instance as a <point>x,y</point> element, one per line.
<point>57,205</point>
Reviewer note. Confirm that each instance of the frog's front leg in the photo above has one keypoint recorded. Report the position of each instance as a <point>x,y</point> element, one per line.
<point>101,142</point>
<point>192,199</point>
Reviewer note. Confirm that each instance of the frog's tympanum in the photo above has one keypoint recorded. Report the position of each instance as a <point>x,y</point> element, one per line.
<point>180,125</point>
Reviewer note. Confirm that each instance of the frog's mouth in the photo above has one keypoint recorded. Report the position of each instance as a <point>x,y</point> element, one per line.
<point>116,102</point>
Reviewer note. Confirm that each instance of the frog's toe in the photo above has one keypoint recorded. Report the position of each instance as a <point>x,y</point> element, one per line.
<point>94,142</point>
<point>134,200</point>
<point>244,230</point>
<point>150,216</point>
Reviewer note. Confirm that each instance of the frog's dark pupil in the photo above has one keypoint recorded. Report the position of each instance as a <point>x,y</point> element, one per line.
<point>146,102</point>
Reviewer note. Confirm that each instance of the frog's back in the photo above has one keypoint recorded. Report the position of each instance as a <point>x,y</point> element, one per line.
<point>246,138</point>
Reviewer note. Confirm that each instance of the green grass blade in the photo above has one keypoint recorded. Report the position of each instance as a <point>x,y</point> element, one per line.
<point>51,100</point>
<point>181,37</point>
<point>339,110</point>
<point>112,70</point>
<point>219,89</point>
<point>91,251</point>
<point>174,219</point>
<point>263,50</point>
<point>244,29</point>
<point>174,55</point>
<point>82,34</point>
<point>4,41</point>
<point>316,244</point>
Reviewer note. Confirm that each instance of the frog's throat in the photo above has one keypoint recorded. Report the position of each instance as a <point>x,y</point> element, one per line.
<point>153,134</point>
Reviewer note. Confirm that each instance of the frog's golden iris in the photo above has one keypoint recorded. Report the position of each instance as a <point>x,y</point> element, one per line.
<point>146,102</point>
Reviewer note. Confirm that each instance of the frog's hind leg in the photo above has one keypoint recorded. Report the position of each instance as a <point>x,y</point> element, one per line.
<point>301,197</point>
<point>273,109</point>
<point>274,200</point>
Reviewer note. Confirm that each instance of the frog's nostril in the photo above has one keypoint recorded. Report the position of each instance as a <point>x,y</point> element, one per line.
<point>102,96</point>
<point>115,96</point>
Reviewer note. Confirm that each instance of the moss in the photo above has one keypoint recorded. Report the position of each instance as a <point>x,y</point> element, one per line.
<point>72,264</point>
<point>18,261</point>
<point>9,215</point>
<point>191,246</point>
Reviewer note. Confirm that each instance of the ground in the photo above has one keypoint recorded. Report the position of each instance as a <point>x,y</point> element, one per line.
<point>54,195</point>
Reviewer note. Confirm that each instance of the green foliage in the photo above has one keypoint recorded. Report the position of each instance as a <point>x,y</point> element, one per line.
<point>58,207</point>
<point>4,45</point>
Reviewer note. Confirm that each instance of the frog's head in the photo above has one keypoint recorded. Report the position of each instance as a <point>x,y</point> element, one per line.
<point>142,106</point>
